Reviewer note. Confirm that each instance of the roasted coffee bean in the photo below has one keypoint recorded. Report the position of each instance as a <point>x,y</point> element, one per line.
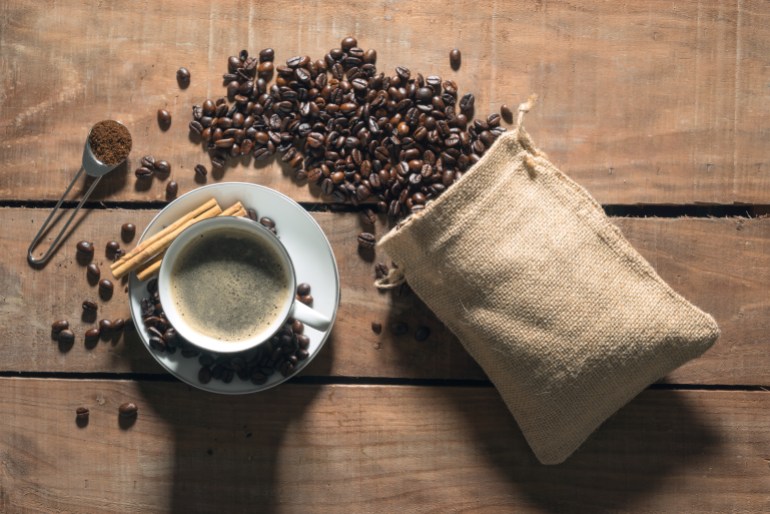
<point>58,326</point>
<point>89,306</point>
<point>376,327</point>
<point>267,222</point>
<point>196,127</point>
<point>148,161</point>
<point>422,333</point>
<point>370,56</point>
<point>172,188</point>
<point>467,103</point>
<point>297,326</point>
<point>366,240</point>
<point>303,289</point>
<point>348,43</point>
<point>306,299</point>
<point>128,410</point>
<point>118,324</point>
<point>252,214</point>
<point>93,273</point>
<point>381,270</point>
<point>162,167</point>
<point>368,217</point>
<point>85,248</point>
<point>455,58</point>
<point>127,232</point>
<point>81,413</point>
<point>201,171</point>
<point>399,328</point>
<point>111,248</point>
<point>66,337</point>
<point>105,289</point>
<point>265,70</point>
<point>92,334</point>
<point>164,119</point>
<point>266,55</point>
<point>183,77</point>
<point>506,113</point>
<point>143,172</point>
<point>105,327</point>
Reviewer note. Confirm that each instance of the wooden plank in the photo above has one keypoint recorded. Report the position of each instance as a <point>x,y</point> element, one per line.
<point>722,265</point>
<point>655,102</point>
<point>338,448</point>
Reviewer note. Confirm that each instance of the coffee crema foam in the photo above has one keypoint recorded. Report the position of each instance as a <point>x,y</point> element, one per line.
<point>230,285</point>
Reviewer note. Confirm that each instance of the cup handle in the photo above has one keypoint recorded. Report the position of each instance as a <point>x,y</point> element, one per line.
<point>308,316</point>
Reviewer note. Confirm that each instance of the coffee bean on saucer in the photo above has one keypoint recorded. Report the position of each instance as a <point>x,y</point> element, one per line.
<point>127,232</point>
<point>204,375</point>
<point>93,273</point>
<point>297,326</point>
<point>303,289</point>
<point>306,299</point>
<point>148,161</point>
<point>172,188</point>
<point>252,214</point>
<point>183,77</point>
<point>128,410</point>
<point>267,222</point>
<point>164,119</point>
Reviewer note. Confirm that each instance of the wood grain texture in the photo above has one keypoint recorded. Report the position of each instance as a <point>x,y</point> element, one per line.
<point>653,102</point>
<point>721,265</point>
<point>335,449</point>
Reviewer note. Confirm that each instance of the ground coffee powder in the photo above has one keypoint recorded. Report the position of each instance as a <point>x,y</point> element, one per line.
<point>110,142</point>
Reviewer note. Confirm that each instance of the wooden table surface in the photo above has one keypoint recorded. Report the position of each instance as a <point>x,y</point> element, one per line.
<point>660,109</point>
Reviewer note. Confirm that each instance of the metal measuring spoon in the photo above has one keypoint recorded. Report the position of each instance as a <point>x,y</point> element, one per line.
<point>93,167</point>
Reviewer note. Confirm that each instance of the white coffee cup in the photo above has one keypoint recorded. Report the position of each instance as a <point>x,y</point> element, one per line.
<point>291,308</point>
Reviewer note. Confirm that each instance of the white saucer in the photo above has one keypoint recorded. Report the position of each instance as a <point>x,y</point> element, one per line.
<point>307,245</point>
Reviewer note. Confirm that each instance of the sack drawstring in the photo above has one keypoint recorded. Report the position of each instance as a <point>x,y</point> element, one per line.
<point>395,278</point>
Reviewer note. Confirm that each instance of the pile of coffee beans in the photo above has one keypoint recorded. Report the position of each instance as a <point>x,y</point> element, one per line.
<point>396,140</point>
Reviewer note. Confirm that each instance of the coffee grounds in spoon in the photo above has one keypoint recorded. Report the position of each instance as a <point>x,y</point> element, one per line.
<point>110,142</point>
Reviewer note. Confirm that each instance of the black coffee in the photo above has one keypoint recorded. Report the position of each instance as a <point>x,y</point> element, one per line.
<point>230,285</point>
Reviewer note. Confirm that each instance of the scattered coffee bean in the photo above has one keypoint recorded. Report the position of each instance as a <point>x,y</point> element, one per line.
<point>82,413</point>
<point>376,327</point>
<point>303,289</point>
<point>148,161</point>
<point>118,324</point>
<point>89,306</point>
<point>111,247</point>
<point>105,327</point>
<point>92,334</point>
<point>422,333</point>
<point>506,113</point>
<point>201,171</point>
<point>381,270</point>
<point>266,55</point>
<point>58,326</point>
<point>162,167</point>
<point>183,77</point>
<point>143,172</point>
<point>106,289</point>
<point>128,410</point>
<point>127,232</point>
<point>66,337</point>
<point>368,218</point>
<point>366,240</point>
<point>172,188</point>
<point>455,58</point>
<point>399,328</point>
<point>164,119</point>
<point>93,273</point>
<point>118,254</point>
<point>85,248</point>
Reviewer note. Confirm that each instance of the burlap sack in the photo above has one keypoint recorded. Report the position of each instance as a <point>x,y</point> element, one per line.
<point>566,318</point>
